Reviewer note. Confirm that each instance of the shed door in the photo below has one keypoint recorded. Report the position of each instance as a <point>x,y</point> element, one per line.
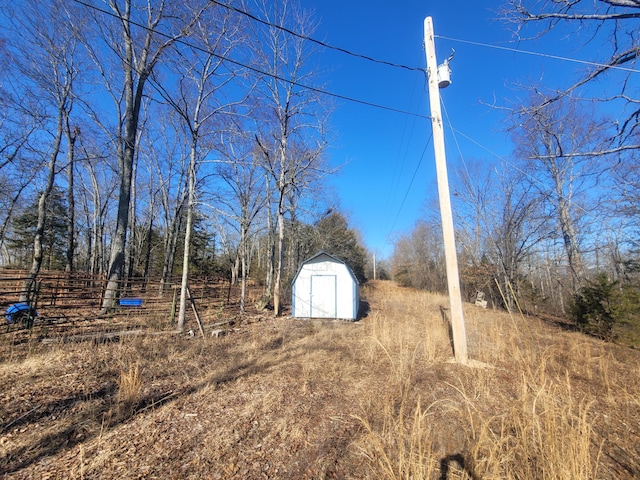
<point>323,296</point>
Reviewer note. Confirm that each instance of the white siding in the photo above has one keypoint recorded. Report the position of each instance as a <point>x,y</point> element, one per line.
<point>325,288</point>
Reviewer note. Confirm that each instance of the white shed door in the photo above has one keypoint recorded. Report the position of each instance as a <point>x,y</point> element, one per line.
<point>323,296</point>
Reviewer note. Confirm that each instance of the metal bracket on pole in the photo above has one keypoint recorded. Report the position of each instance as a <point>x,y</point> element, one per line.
<point>453,280</point>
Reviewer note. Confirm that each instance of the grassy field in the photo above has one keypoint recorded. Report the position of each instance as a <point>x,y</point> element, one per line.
<point>283,398</point>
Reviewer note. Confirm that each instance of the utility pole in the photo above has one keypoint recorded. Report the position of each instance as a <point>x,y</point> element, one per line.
<point>374,266</point>
<point>453,280</point>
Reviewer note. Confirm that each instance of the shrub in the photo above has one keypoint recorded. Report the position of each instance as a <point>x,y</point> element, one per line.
<point>599,306</point>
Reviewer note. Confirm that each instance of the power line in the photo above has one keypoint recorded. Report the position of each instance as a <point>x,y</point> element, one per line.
<point>255,69</point>
<point>538,54</point>
<point>418,69</point>
<point>401,158</point>
<point>318,42</point>
<point>406,193</point>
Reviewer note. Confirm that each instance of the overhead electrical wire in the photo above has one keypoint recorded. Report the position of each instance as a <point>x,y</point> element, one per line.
<point>348,52</point>
<point>538,54</point>
<point>255,69</point>
<point>497,47</point>
<point>342,50</point>
<point>417,69</point>
<point>402,156</point>
<point>357,55</point>
<point>413,177</point>
<point>318,42</point>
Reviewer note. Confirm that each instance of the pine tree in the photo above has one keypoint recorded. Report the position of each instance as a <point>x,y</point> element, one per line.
<point>20,243</point>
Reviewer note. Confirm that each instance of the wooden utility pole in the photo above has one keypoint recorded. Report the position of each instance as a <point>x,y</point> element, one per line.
<point>453,280</point>
<point>374,266</point>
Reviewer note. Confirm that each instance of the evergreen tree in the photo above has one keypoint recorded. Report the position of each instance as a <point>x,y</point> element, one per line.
<point>20,243</point>
<point>336,238</point>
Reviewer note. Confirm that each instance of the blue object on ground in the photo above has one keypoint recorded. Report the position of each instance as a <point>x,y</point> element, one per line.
<point>130,302</point>
<point>16,310</point>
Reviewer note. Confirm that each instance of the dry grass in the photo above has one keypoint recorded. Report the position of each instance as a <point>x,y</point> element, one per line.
<point>541,404</point>
<point>286,398</point>
<point>129,388</point>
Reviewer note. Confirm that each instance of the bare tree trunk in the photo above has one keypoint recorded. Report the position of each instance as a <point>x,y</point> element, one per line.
<point>294,243</point>
<point>187,235</point>
<point>235,269</point>
<point>173,219</point>
<point>243,261</point>
<point>133,97</point>
<point>147,257</point>
<point>570,242</point>
<point>137,66</point>
<point>119,241</point>
<point>97,251</point>
<point>88,231</point>
<point>280,252</point>
<point>36,264</point>
<point>170,247</point>
<point>72,136</point>
<point>270,244</point>
<point>131,251</point>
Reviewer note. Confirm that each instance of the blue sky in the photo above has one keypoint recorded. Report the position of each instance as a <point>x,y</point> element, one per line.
<point>381,150</point>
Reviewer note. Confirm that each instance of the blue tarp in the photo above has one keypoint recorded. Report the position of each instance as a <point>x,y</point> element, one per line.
<point>15,309</point>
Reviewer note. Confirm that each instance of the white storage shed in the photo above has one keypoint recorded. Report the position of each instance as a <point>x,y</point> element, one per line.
<point>325,287</point>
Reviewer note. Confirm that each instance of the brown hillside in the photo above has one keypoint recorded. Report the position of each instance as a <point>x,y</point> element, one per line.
<point>294,399</point>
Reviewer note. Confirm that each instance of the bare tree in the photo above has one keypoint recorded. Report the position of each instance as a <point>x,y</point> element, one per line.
<point>241,196</point>
<point>551,141</point>
<point>71,134</point>
<point>130,30</point>
<point>45,52</point>
<point>170,167</point>
<point>147,233</point>
<point>292,140</point>
<point>98,187</point>
<point>418,258</point>
<point>502,218</point>
<point>18,125</point>
<point>200,81</point>
<point>626,185</point>
<point>615,21</point>
<point>270,244</point>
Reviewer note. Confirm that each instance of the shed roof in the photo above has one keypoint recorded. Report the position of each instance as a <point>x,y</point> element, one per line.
<point>332,257</point>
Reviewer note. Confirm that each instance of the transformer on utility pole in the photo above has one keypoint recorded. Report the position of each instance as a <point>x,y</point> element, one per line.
<point>453,280</point>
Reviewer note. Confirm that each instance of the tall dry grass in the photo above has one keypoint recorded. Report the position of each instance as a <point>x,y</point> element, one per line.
<point>527,405</point>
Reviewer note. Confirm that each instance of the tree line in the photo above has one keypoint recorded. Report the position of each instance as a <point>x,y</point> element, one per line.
<point>149,138</point>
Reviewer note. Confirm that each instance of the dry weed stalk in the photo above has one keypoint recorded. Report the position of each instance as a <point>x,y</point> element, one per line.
<point>130,386</point>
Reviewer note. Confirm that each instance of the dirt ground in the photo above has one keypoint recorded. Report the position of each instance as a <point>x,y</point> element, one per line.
<point>307,399</point>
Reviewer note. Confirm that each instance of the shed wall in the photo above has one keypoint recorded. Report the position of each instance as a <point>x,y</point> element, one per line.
<point>346,291</point>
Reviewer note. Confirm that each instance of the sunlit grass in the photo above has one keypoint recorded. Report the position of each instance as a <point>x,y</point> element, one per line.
<point>381,398</point>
